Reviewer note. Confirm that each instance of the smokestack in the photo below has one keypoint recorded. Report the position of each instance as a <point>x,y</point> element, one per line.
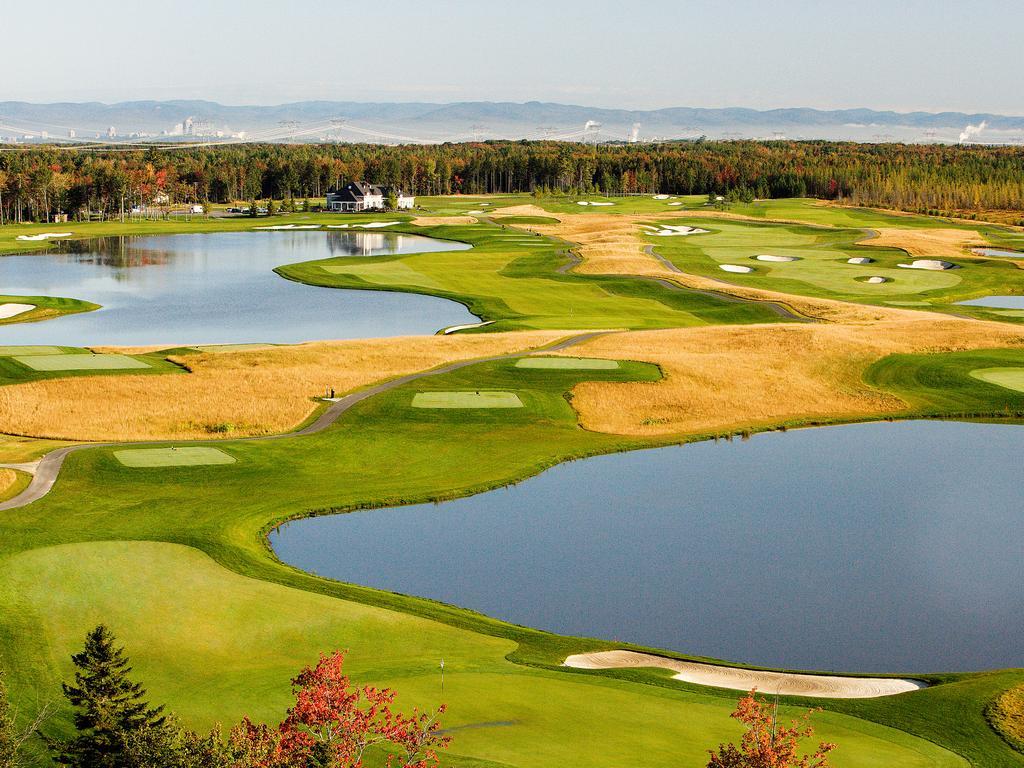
<point>971,131</point>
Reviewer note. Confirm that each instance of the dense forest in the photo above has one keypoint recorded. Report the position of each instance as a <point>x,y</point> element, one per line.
<point>37,183</point>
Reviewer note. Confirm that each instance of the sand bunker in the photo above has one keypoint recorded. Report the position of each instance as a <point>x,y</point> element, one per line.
<point>877,279</point>
<point>478,399</point>
<point>819,686</point>
<point>670,230</point>
<point>675,203</point>
<point>766,257</point>
<point>735,268</point>
<point>661,197</point>
<point>8,311</point>
<point>934,265</point>
<point>473,213</point>
<point>454,328</point>
<point>588,202</point>
<point>860,260</point>
<point>44,236</point>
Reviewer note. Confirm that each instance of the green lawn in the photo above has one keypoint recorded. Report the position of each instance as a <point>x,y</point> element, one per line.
<point>177,456</point>
<point>477,399</point>
<point>514,280</point>
<point>216,626</point>
<point>62,362</point>
<point>568,363</point>
<point>1010,378</point>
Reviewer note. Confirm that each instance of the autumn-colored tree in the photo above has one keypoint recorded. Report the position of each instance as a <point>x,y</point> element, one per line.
<point>334,722</point>
<point>766,744</point>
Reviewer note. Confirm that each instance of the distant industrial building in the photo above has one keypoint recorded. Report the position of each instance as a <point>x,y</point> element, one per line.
<point>360,196</point>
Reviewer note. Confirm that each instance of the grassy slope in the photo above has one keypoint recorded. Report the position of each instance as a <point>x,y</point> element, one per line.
<point>513,278</point>
<point>440,454</point>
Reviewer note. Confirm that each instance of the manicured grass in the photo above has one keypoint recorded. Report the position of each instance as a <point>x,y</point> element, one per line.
<point>568,363</point>
<point>943,383</point>
<point>519,220</point>
<point>1011,378</point>
<point>19,483</point>
<point>46,307</point>
<point>217,635</point>
<point>173,457</point>
<point>478,399</point>
<point>64,362</point>
<point>514,280</point>
<point>822,269</point>
<point>15,351</point>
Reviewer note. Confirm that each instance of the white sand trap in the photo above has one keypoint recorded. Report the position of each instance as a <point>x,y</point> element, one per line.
<point>675,203</point>
<point>588,202</point>
<point>669,230</point>
<point>768,257</point>
<point>935,265</point>
<point>44,236</point>
<point>8,311</point>
<point>860,260</point>
<point>473,213</point>
<point>337,226</point>
<point>661,197</point>
<point>877,279</point>
<point>377,224</point>
<point>484,204</point>
<point>735,268</point>
<point>818,686</point>
<point>454,328</point>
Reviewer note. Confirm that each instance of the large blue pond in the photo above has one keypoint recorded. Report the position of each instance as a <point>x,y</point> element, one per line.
<point>876,547</point>
<point>217,288</point>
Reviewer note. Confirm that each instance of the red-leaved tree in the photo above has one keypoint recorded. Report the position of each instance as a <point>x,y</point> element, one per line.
<point>765,744</point>
<point>334,722</point>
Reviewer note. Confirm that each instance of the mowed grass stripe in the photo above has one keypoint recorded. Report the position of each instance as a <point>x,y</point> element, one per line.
<point>13,351</point>
<point>172,457</point>
<point>466,400</point>
<point>111,362</point>
<point>568,363</point>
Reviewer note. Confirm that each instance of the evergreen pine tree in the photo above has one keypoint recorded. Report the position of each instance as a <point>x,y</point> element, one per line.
<point>109,706</point>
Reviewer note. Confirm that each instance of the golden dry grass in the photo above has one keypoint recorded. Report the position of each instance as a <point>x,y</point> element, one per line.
<point>720,379</point>
<point>433,221</point>
<point>8,478</point>
<point>934,243</point>
<point>255,392</point>
<point>610,244</point>
<point>1006,714</point>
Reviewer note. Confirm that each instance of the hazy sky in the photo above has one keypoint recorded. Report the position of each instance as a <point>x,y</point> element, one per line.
<point>886,54</point>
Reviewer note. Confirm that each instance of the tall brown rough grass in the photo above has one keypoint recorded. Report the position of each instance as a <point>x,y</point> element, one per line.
<point>722,379</point>
<point>234,394</point>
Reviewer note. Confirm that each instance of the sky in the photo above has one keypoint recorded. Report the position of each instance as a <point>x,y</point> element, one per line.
<point>905,55</point>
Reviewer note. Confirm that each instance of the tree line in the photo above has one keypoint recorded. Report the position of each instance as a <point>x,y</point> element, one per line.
<point>40,182</point>
<point>333,723</point>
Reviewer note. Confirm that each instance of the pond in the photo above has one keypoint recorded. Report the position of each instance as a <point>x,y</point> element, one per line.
<point>999,253</point>
<point>888,547</point>
<point>996,302</point>
<point>217,288</point>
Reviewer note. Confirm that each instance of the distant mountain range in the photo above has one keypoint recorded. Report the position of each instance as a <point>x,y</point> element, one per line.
<point>462,121</point>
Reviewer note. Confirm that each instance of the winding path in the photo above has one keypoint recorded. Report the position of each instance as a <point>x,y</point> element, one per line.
<point>47,469</point>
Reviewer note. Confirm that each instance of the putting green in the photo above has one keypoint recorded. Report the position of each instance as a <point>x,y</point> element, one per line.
<point>30,350</point>
<point>384,272</point>
<point>80,362</point>
<point>1010,378</point>
<point>568,363</point>
<point>466,400</point>
<point>172,457</point>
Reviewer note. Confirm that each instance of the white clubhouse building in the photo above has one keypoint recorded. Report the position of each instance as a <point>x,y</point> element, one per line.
<point>359,196</point>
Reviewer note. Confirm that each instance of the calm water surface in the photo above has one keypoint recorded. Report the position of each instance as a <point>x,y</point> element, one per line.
<point>998,252</point>
<point>217,288</point>
<point>998,302</point>
<point>876,547</point>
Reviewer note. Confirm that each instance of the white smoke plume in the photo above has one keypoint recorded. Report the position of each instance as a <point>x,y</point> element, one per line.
<point>971,131</point>
<point>634,135</point>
